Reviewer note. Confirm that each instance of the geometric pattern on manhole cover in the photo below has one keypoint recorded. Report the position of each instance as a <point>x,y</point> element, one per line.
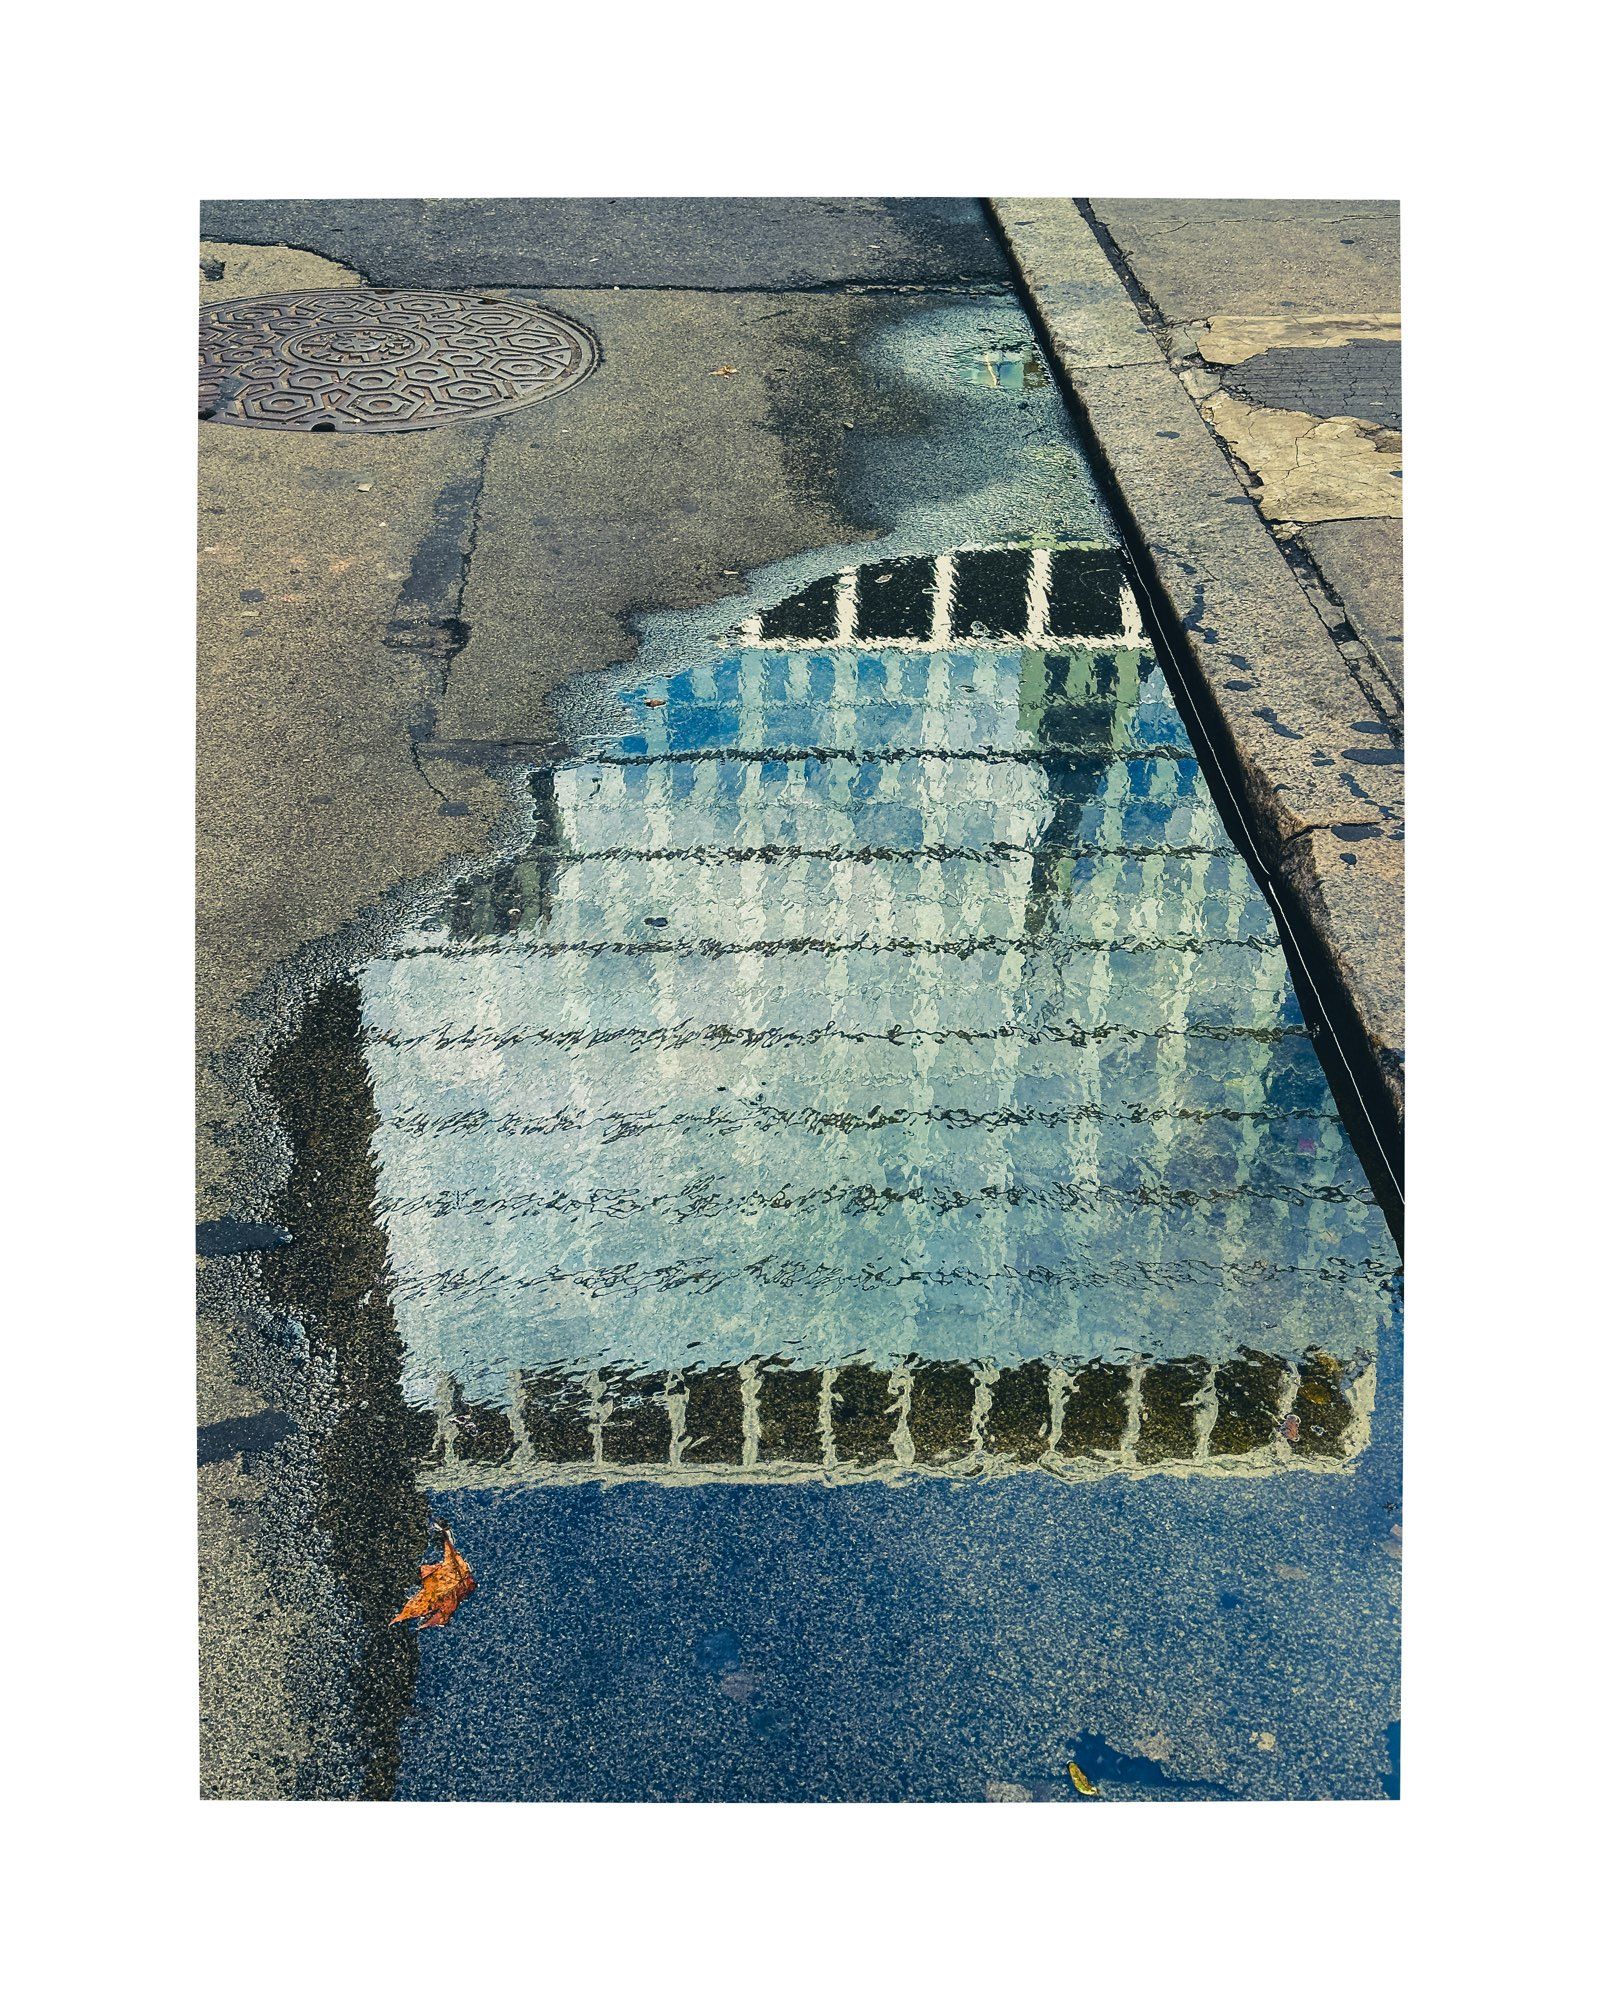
<point>365,360</point>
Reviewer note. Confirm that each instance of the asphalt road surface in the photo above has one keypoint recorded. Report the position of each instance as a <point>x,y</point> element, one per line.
<point>742,1071</point>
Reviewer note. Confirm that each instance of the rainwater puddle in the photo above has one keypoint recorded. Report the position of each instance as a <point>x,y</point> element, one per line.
<point>885,1297</point>
<point>882,1064</point>
<point>1005,368</point>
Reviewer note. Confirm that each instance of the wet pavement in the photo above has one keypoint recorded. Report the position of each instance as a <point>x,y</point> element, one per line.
<point>882,1065</point>
<point>843,1217</point>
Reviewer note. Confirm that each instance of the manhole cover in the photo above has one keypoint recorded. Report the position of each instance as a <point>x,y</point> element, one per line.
<point>382,361</point>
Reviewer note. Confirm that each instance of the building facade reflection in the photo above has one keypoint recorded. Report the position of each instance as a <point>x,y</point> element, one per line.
<point>881,1062</point>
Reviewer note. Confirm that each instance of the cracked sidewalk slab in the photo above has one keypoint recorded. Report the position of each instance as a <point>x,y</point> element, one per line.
<point>1226,339</point>
<point>1309,468</point>
<point>1304,259</point>
<point>1295,306</point>
<point>1319,765</point>
<point>1362,562</point>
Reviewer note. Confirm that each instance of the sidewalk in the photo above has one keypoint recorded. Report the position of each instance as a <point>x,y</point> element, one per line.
<point>1283,319</point>
<point>1236,366</point>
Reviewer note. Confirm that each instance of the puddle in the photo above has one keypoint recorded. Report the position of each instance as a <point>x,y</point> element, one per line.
<point>877,1084</point>
<point>1004,368</point>
<point>881,1063</point>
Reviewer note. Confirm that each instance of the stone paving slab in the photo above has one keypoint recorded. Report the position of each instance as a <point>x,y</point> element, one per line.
<point>1092,320</point>
<point>1321,770</point>
<point>1196,259</point>
<point>716,244</point>
<point>1283,320</point>
<point>1351,881</point>
<point>1360,562</point>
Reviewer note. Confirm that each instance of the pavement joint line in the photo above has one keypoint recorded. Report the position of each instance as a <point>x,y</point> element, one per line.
<point>961,288</point>
<point>977,288</point>
<point>1075,320</point>
<point>1301,557</point>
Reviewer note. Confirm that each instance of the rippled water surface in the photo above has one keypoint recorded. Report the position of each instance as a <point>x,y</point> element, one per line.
<point>888,1301</point>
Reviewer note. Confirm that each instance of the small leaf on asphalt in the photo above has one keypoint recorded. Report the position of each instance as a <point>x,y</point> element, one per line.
<point>725,370</point>
<point>1081,1783</point>
<point>444,1585</point>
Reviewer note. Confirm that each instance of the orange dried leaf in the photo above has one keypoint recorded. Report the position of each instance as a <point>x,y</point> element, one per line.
<point>445,1584</point>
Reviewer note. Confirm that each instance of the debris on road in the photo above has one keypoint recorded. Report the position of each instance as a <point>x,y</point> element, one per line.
<point>445,1585</point>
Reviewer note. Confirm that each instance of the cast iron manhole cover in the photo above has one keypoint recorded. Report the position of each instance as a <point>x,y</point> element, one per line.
<point>382,361</point>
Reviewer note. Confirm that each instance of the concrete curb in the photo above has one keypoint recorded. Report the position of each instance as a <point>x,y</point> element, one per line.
<point>1318,776</point>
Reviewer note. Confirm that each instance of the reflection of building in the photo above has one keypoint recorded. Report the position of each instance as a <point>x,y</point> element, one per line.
<point>1075,595</point>
<point>876,1028</point>
<point>1248,1413</point>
